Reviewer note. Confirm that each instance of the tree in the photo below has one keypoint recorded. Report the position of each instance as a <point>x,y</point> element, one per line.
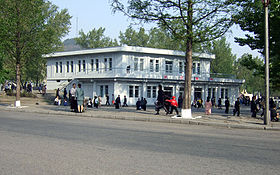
<point>95,39</point>
<point>251,19</point>
<point>30,28</point>
<point>133,38</point>
<point>250,69</point>
<point>193,21</point>
<point>223,62</point>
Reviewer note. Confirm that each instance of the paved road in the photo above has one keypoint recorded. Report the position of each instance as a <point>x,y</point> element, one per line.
<point>46,144</point>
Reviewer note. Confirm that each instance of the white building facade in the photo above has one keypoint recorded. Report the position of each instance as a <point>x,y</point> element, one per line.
<point>136,72</point>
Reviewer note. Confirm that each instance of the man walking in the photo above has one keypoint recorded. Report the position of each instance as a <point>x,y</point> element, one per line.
<point>227,105</point>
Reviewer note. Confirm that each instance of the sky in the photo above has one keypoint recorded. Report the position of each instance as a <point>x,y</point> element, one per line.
<point>89,14</point>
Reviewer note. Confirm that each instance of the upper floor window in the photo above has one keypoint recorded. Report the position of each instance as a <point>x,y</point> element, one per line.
<point>151,65</point>
<point>168,66</point>
<point>96,64</point>
<point>92,64</point>
<point>72,66</point>
<point>105,64</point>
<point>56,67</point>
<point>110,63</point>
<point>157,65</point>
<point>193,68</point>
<point>141,64</point>
<point>180,67</point>
<point>198,68</point>
<point>84,65</point>
<point>67,66</point>
<point>79,65</point>
<point>135,64</point>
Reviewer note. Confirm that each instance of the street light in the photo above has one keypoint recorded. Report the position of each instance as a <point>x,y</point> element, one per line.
<point>266,117</point>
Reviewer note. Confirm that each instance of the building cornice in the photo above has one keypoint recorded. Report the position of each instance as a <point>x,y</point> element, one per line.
<point>128,49</point>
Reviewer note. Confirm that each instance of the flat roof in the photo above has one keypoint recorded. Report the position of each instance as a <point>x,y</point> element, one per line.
<point>132,49</point>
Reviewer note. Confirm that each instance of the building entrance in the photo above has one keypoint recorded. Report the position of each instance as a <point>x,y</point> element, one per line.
<point>197,93</point>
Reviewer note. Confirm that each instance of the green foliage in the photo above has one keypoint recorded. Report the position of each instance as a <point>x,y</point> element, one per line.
<point>29,29</point>
<point>223,62</point>
<point>250,69</point>
<point>251,19</point>
<point>95,39</point>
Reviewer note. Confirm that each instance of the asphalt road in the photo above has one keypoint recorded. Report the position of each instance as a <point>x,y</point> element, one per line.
<point>32,144</point>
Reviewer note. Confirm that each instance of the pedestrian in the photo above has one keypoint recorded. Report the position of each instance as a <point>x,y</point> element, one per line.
<point>73,100</point>
<point>174,106</point>
<point>227,105</point>
<point>99,101</point>
<point>143,103</point>
<point>274,115</point>
<point>138,104</point>
<point>95,102</point>
<point>57,92</point>
<point>113,99</point>
<point>65,93</point>
<point>180,101</point>
<point>254,107</point>
<point>160,99</point>
<point>44,90</point>
<point>89,103</point>
<point>118,102</point>
<point>125,102</point>
<point>236,107</point>
<point>208,106</point>
<point>107,100</point>
<point>80,98</point>
<point>220,103</point>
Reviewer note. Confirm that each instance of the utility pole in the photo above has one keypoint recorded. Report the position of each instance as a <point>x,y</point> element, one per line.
<point>267,112</point>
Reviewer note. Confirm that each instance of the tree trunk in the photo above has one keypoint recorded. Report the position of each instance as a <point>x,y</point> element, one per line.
<point>186,111</point>
<point>18,81</point>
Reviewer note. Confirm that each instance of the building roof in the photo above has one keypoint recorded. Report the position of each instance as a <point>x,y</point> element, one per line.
<point>132,49</point>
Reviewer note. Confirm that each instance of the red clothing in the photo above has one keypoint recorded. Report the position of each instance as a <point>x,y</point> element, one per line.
<point>173,102</point>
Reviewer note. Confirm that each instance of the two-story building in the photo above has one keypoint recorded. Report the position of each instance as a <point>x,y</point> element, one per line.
<point>136,72</point>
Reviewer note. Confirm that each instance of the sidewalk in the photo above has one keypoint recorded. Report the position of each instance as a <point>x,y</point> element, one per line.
<point>217,118</point>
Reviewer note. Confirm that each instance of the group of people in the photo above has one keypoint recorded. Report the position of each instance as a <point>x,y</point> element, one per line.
<point>77,97</point>
<point>141,104</point>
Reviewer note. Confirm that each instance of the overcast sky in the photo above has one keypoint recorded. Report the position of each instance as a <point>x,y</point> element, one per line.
<point>89,14</point>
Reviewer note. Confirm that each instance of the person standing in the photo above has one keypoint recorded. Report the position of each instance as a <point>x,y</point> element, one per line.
<point>107,100</point>
<point>73,98</point>
<point>80,98</point>
<point>254,107</point>
<point>99,101</point>
<point>125,102</point>
<point>138,104</point>
<point>160,99</point>
<point>143,103</point>
<point>208,106</point>
<point>57,92</point>
<point>227,105</point>
<point>180,101</point>
<point>274,115</point>
<point>236,107</point>
<point>65,93</point>
<point>220,103</point>
<point>118,102</point>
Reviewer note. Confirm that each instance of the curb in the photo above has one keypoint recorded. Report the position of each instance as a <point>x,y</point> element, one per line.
<point>149,119</point>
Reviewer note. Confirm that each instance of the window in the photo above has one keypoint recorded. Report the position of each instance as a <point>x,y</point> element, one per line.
<point>151,65</point>
<point>67,66</point>
<point>79,63</point>
<point>106,90</point>
<point>60,65</point>
<point>101,91</point>
<point>154,91</point>
<point>130,91</point>
<point>92,64</point>
<point>226,93</point>
<point>222,93</point>
<point>198,68</point>
<point>136,91</point>
<point>193,68</point>
<point>141,64</point>
<point>56,67</point>
<point>135,64</point>
<point>110,64</point>
<point>180,67</point>
<point>105,64</point>
<point>149,91</point>
<point>96,64</point>
<point>157,65</point>
<point>168,66</point>
<point>84,65</point>
<point>72,66</point>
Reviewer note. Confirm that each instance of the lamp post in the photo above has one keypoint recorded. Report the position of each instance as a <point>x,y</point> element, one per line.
<point>267,113</point>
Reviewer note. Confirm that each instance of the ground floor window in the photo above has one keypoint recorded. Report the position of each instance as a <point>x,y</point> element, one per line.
<point>130,91</point>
